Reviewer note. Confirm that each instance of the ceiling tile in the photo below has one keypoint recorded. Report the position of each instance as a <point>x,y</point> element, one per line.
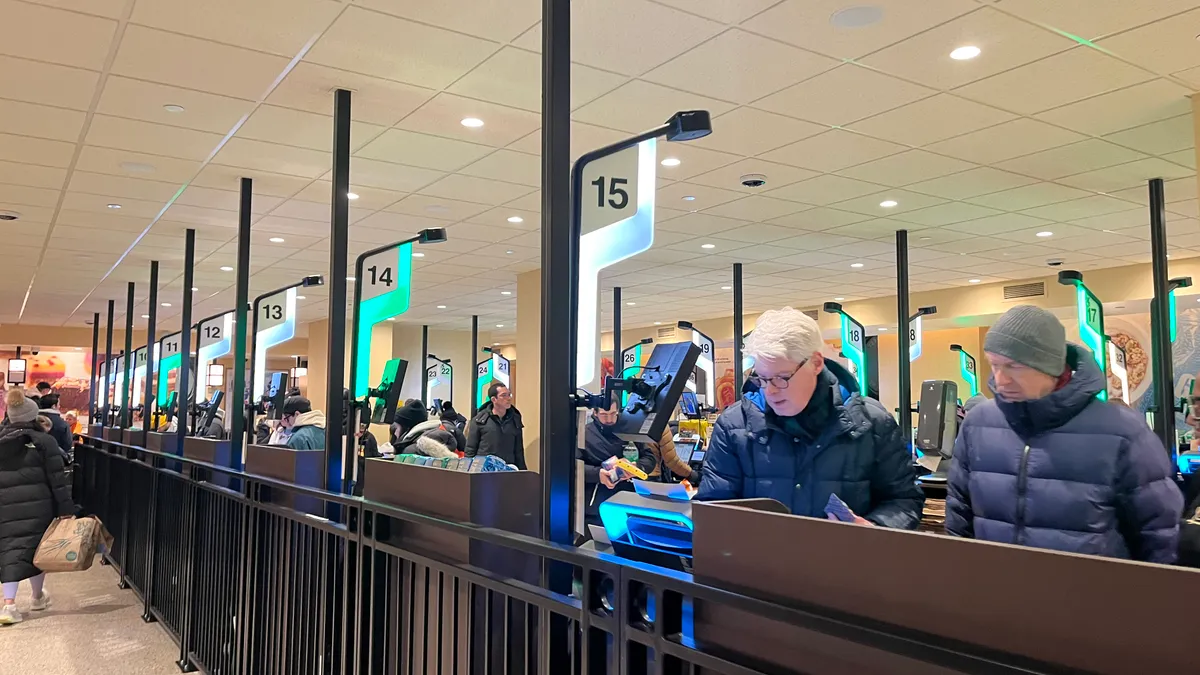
<point>388,176</point>
<point>55,36</point>
<point>14,196</point>
<point>824,190</point>
<point>637,106</point>
<point>1164,46</point>
<point>375,100</point>
<point>153,139</point>
<point>1005,43</point>
<point>907,167</point>
<point>392,48</point>
<point>245,153</point>
<point>1005,141</point>
<point>843,95</point>
<point>810,24</point>
<point>757,233</point>
<point>30,175</point>
<point>430,152</point>
<point>28,119</point>
<point>1028,197</point>
<point>748,131</point>
<point>1123,176</point>
<point>972,183</point>
<point>442,116</point>
<point>703,197</point>
<point>169,58</point>
<point>1070,159</point>
<point>730,67</point>
<point>512,77</point>
<point>756,208</point>
<point>871,204</point>
<point>584,138</point>
<point>1092,19</point>
<point>501,20</point>
<point>47,83</point>
<point>467,188</point>
<point>648,35</point>
<point>1158,138</point>
<point>264,183</point>
<point>1123,109</point>
<point>730,176</point>
<point>1058,80</point>
<point>932,119</point>
<point>701,224</point>
<point>280,27</point>
<point>134,164</point>
<point>833,150</point>
<point>1094,205</point>
<point>115,187</point>
<point>211,198</point>
<point>947,214</point>
<point>875,228</point>
<point>302,129</point>
<point>1185,157</point>
<point>508,165</point>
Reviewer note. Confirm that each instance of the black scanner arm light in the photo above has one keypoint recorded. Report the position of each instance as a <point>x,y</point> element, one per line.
<point>924,311</point>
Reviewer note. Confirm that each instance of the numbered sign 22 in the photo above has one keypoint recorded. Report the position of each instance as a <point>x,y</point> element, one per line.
<point>610,191</point>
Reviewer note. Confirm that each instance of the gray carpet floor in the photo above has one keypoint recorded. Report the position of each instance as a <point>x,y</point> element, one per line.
<point>94,628</point>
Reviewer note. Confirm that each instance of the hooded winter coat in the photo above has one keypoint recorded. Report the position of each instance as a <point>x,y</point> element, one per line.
<point>33,491</point>
<point>1066,472</point>
<point>308,432</point>
<point>429,439</point>
<point>503,437</point>
<point>858,454</point>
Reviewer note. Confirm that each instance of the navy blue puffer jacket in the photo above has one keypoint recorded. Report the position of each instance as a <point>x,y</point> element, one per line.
<point>860,456</point>
<point>1066,472</point>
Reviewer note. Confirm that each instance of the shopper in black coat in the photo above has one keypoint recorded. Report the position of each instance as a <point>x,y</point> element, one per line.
<point>59,429</point>
<point>497,429</point>
<point>33,491</point>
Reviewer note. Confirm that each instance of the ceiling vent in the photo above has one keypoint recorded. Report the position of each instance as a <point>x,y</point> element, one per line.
<point>1030,290</point>
<point>812,314</point>
<point>665,333</point>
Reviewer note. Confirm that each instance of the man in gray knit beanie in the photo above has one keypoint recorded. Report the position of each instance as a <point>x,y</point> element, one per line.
<point>1027,349</point>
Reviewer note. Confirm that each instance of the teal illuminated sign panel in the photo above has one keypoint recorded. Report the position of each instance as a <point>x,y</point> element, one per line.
<point>853,339</point>
<point>386,288</point>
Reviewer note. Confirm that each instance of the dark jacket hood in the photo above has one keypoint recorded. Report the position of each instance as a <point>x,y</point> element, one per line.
<point>1029,418</point>
<point>486,410</point>
<point>14,436</point>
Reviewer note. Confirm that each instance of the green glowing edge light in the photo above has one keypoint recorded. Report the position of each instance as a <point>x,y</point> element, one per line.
<point>964,361</point>
<point>631,370</point>
<point>164,369</point>
<point>381,308</point>
<point>1171,313</point>
<point>485,381</point>
<point>854,353</point>
<point>1094,341</point>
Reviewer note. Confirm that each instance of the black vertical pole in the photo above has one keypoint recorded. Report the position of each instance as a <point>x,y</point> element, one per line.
<point>236,407</point>
<point>185,337</point>
<point>559,309</point>
<point>108,363</point>
<point>339,228</point>
<point>126,384</point>
<point>738,328</point>
<point>95,366</point>
<point>1160,324</point>
<point>151,364</point>
<point>905,417</point>
<point>425,365</point>
<point>618,367</point>
<point>474,368</point>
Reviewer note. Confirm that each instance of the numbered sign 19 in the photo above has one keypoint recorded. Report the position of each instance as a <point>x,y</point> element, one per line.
<point>707,380</point>
<point>276,324</point>
<point>616,212</point>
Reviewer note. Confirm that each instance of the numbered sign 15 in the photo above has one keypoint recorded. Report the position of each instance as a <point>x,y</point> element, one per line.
<point>610,187</point>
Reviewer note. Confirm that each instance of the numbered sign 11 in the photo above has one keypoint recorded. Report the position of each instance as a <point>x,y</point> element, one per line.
<point>169,358</point>
<point>616,212</point>
<point>385,288</point>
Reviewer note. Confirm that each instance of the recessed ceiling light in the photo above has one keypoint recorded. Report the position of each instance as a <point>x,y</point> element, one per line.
<point>925,238</point>
<point>708,246</point>
<point>138,167</point>
<point>856,265</point>
<point>516,219</point>
<point>839,299</point>
<point>194,289</point>
<point>114,206</point>
<point>495,344</point>
<point>226,268</point>
<point>499,325</point>
<point>349,278</point>
<point>657,323</point>
<point>276,240</point>
<point>689,198</point>
<point>505,292</point>
<point>973,281</point>
<point>857,17</point>
<point>888,203</point>
<point>166,304</point>
<point>436,208</point>
<point>670,161</point>
<point>508,252</point>
<point>172,108</point>
<point>727,288</point>
<point>145,316</point>
<point>418,254</point>
<point>1046,233</point>
<point>882,329</point>
<point>301,297</point>
<point>79,349</point>
<point>351,196</point>
<point>631,304</point>
<point>471,122</point>
<point>441,307</point>
<point>965,53</point>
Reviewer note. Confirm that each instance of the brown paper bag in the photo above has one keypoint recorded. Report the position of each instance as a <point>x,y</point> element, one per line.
<point>70,544</point>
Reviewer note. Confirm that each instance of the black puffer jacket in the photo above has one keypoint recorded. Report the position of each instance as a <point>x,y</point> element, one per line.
<point>33,491</point>
<point>502,437</point>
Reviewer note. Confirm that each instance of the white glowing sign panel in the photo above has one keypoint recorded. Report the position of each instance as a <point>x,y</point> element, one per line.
<point>276,324</point>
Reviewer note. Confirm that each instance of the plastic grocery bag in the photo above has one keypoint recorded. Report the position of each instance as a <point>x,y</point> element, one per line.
<point>70,544</point>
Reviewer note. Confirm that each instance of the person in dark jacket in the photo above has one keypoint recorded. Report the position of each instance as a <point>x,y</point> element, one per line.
<point>415,434</point>
<point>807,433</point>
<point>454,423</point>
<point>33,491</point>
<point>497,429</point>
<point>600,443</point>
<point>1046,464</point>
<point>215,430</point>
<point>306,426</point>
<point>59,430</point>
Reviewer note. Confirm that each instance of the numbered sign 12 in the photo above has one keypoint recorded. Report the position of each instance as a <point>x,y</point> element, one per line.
<point>616,212</point>
<point>385,291</point>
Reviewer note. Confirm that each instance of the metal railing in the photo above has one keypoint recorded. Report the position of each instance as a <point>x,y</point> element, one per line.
<point>247,586</point>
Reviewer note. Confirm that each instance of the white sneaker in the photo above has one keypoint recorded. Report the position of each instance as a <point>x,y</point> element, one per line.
<point>9,615</point>
<point>41,603</point>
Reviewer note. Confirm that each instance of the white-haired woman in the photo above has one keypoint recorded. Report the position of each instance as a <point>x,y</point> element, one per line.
<point>807,433</point>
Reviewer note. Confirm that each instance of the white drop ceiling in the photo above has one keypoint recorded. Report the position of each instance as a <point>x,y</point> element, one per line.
<point>1056,126</point>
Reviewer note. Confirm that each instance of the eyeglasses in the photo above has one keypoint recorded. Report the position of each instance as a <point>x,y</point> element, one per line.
<point>779,381</point>
<point>506,394</point>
